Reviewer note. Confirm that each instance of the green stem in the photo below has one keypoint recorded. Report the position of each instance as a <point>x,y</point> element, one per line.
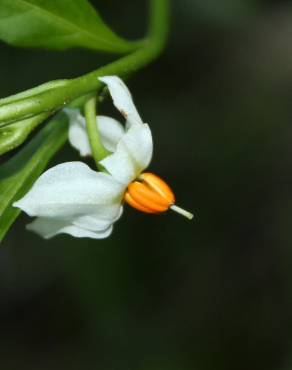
<point>54,99</point>
<point>98,150</point>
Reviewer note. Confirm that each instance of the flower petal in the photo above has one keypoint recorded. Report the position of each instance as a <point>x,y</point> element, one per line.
<point>71,190</point>
<point>97,226</point>
<point>77,132</point>
<point>104,217</point>
<point>133,154</point>
<point>110,131</point>
<point>122,99</point>
<point>49,227</point>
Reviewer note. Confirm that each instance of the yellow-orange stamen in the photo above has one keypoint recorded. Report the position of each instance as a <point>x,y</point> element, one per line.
<point>132,202</point>
<point>158,185</point>
<point>150,194</point>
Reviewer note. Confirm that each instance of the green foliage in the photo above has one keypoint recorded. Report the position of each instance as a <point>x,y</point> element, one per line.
<point>33,92</point>
<point>19,173</point>
<point>57,24</point>
<point>13,135</point>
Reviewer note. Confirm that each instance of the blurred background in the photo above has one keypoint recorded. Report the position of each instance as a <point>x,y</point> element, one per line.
<point>163,293</point>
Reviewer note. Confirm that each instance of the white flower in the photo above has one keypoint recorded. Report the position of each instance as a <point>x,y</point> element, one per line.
<point>73,199</point>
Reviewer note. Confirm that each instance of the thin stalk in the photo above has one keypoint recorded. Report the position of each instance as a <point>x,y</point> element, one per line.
<point>54,99</point>
<point>98,150</point>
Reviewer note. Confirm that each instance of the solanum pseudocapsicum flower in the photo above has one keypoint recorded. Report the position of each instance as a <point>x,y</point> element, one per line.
<point>71,198</point>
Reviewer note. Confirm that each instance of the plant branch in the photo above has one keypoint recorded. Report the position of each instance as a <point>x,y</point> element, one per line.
<point>53,99</point>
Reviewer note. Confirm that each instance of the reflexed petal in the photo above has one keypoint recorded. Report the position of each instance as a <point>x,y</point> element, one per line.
<point>48,227</point>
<point>96,226</point>
<point>77,132</point>
<point>101,219</point>
<point>122,99</point>
<point>72,190</point>
<point>110,132</point>
<point>133,154</point>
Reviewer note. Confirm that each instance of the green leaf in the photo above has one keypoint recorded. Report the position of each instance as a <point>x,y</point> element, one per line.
<point>34,91</point>
<point>57,24</point>
<point>19,173</point>
<point>13,135</point>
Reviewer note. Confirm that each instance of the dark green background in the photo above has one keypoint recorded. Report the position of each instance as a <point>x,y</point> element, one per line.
<point>163,293</point>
